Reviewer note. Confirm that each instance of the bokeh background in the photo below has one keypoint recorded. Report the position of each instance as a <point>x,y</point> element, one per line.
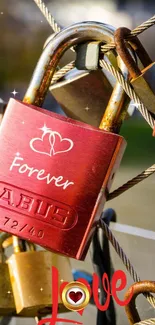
<point>23,31</point>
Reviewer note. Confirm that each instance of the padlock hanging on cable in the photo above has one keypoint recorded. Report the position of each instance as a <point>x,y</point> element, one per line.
<point>84,95</point>
<point>143,81</point>
<point>141,287</point>
<point>31,278</point>
<point>56,172</point>
<point>7,303</point>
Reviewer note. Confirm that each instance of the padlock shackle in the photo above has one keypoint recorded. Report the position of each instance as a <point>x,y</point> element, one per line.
<point>136,289</point>
<point>53,52</point>
<point>16,245</point>
<point>121,48</point>
<point>49,39</point>
<point>118,103</point>
<point>3,237</point>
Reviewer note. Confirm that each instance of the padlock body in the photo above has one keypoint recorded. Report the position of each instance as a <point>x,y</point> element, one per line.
<point>83,96</point>
<point>7,304</point>
<point>144,86</point>
<point>31,276</point>
<point>54,176</point>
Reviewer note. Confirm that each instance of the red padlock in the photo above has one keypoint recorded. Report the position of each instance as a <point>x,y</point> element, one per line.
<point>55,172</point>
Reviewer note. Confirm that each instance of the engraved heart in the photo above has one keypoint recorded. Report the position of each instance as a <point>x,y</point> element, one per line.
<point>43,145</point>
<point>60,144</point>
<point>75,296</point>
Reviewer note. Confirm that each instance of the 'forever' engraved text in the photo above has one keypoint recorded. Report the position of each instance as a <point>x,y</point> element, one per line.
<point>40,174</point>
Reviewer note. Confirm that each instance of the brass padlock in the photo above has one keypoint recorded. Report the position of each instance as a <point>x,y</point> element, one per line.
<point>7,304</point>
<point>143,81</point>
<point>136,289</point>
<point>31,277</point>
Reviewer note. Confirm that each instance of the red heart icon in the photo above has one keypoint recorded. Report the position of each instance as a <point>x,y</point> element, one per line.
<point>75,296</point>
<point>63,285</point>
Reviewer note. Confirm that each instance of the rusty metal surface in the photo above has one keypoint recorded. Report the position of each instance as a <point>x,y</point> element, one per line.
<point>51,55</point>
<point>142,81</point>
<point>136,289</point>
<point>117,107</point>
<point>85,96</point>
<point>121,47</point>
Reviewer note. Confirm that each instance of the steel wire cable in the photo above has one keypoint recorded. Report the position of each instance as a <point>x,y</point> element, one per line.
<point>125,259</point>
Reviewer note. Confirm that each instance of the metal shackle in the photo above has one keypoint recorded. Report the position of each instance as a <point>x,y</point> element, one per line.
<point>136,289</point>
<point>83,95</point>
<point>116,110</point>
<point>53,52</point>
<point>121,48</point>
<point>49,39</point>
<point>55,49</point>
<point>3,237</point>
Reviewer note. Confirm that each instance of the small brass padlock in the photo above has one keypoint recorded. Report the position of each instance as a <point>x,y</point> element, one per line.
<point>143,81</point>
<point>7,304</point>
<point>141,287</point>
<point>31,278</point>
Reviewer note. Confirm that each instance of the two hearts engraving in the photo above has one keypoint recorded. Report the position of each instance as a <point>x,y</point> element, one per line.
<point>51,143</point>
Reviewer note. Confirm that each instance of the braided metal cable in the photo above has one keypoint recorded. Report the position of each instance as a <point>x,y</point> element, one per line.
<point>120,252</point>
<point>146,322</point>
<point>56,28</point>
<point>107,47</point>
<point>50,19</point>
<point>130,92</point>
<point>126,86</point>
<point>111,46</point>
<point>146,173</point>
<point>125,260</point>
<point>135,32</point>
<point>141,28</point>
<point>61,72</point>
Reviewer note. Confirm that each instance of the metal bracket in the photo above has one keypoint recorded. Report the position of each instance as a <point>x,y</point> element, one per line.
<point>87,57</point>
